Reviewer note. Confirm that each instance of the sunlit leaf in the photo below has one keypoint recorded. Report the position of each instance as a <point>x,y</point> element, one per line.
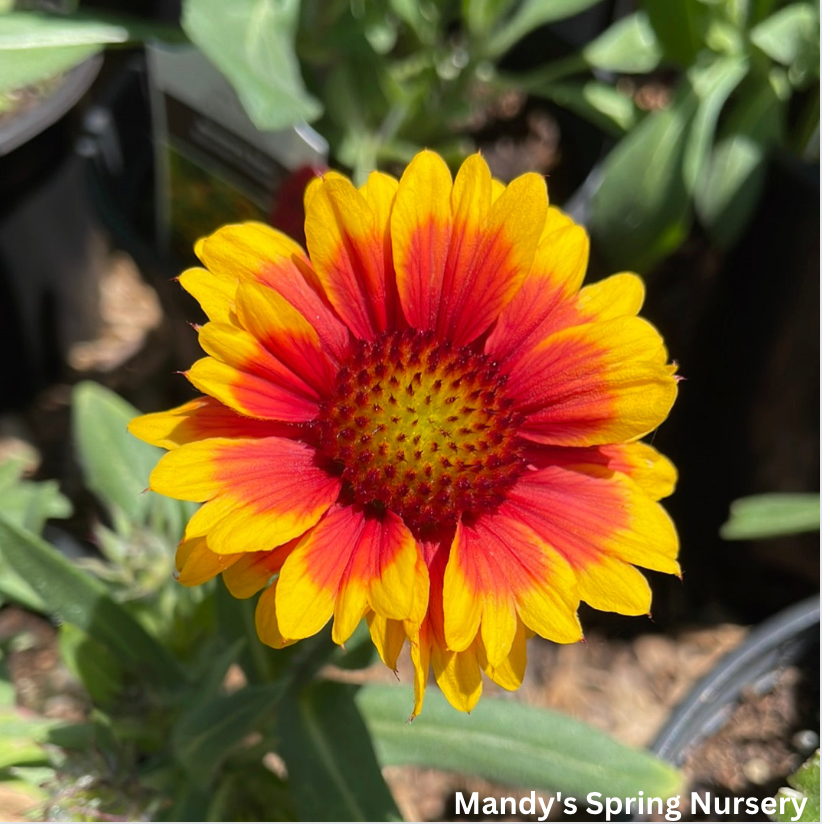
<point>530,15</point>
<point>791,35</point>
<point>597,102</point>
<point>252,43</point>
<point>804,787</point>
<point>629,45</point>
<point>642,211</point>
<point>767,516</point>
<point>35,47</point>
<point>511,743</point>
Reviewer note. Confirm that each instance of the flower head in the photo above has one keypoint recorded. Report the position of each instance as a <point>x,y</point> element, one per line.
<point>424,421</point>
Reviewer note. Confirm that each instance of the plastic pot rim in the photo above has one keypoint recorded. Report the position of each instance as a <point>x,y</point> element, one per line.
<point>776,643</point>
<point>28,124</point>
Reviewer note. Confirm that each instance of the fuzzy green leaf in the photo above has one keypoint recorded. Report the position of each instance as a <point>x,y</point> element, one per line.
<point>79,599</point>
<point>510,743</point>
<point>325,743</point>
<point>207,733</point>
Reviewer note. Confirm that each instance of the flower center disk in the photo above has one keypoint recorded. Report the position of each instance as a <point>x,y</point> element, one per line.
<point>423,428</point>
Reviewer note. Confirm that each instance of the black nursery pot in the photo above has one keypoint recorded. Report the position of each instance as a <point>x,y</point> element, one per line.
<point>789,638</point>
<point>46,240</point>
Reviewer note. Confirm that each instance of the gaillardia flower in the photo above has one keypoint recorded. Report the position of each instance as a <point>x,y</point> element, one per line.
<point>423,421</point>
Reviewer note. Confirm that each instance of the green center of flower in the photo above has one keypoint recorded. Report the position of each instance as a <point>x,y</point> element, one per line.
<point>422,427</point>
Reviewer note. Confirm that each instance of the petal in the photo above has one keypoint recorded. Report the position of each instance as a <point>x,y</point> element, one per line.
<point>196,563</point>
<point>214,294</point>
<point>596,383</point>
<point>556,274</point>
<point>421,659</point>
<point>199,419</point>
<point>261,493</point>
<point>350,562</point>
<point>515,571</point>
<point>256,253</point>
<point>265,620</point>
<point>421,233</point>
<point>490,254</point>
<point>617,296</point>
<point>350,608</point>
<point>458,675</point>
<point>585,516</point>
<point>286,334</point>
<point>253,570</point>
<point>510,671</point>
<point>651,471</point>
<point>611,585</point>
<point>347,249</point>
<point>260,388</point>
<point>388,637</point>
<point>380,191</point>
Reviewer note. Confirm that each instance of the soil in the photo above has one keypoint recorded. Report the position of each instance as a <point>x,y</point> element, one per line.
<point>767,738</point>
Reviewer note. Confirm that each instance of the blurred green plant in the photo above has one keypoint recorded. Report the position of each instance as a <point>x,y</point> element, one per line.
<point>189,714</point>
<point>804,784</point>
<point>735,81</point>
<point>27,504</point>
<point>771,515</point>
<point>743,67</point>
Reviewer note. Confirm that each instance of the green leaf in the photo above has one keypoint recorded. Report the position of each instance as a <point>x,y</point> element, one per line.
<point>681,27</point>
<point>790,35</point>
<point>29,504</point>
<point>713,85</point>
<point>640,213</point>
<point>597,102</point>
<point>115,464</point>
<point>203,737</point>
<point>510,743</point>
<point>642,210</point>
<point>730,189</point>
<point>28,30</point>
<point>92,664</point>
<point>530,15</point>
<point>325,743</point>
<point>629,45</point>
<point>805,792</point>
<point>35,47</point>
<point>481,16</point>
<point>21,68</point>
<point>252,43</point>
<point>252,793</point>
<point>767,516</point>
<point>83,601</point>
<point>21,738</point>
